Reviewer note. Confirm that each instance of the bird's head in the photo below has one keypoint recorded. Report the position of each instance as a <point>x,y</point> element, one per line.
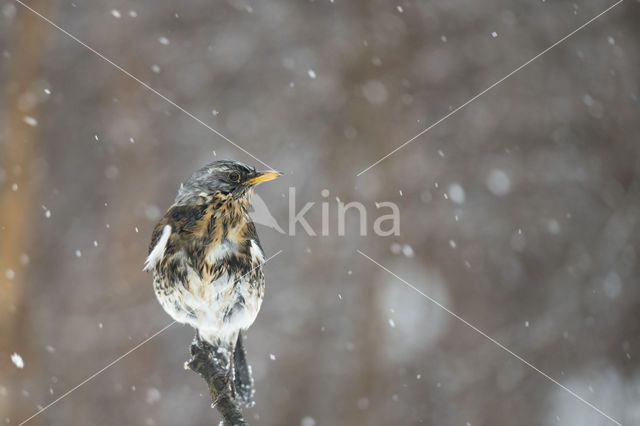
<point>225,177</point>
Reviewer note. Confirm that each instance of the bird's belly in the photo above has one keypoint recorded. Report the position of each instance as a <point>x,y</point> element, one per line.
<point>218,309</point>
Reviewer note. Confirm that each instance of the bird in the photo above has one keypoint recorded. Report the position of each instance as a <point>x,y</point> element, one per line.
<point>206,260</point>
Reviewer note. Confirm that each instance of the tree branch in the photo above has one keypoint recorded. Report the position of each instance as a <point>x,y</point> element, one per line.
<point>213,365</point>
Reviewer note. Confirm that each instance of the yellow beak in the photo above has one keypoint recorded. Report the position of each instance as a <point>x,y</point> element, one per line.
<point>262,177</point>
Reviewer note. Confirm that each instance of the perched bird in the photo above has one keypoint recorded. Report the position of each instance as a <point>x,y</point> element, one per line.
<point>206,259</point>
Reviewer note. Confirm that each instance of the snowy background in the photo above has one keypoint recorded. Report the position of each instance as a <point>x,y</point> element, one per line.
<point>520,213</point>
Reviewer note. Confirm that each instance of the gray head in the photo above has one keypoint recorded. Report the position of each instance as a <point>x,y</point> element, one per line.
<point>224,176</point>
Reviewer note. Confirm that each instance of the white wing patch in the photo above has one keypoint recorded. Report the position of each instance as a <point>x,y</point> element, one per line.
<point>158,250</point>
<point>256,253</point>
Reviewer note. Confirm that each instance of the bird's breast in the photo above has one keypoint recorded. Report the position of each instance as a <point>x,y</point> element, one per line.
<point>218,252</point>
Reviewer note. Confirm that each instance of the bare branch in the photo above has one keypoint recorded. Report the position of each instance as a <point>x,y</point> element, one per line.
<point>213,365</point>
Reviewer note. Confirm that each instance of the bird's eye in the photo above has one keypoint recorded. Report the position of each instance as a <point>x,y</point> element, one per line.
<point>234,176</point>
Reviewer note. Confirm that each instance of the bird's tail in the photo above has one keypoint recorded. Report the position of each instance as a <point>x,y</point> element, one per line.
<point>243,378</point>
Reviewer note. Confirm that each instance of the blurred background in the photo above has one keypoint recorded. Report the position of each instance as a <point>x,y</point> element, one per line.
<point>519,213</point>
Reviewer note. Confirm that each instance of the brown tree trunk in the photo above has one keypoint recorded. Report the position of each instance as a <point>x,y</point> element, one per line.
<point>17,192</point>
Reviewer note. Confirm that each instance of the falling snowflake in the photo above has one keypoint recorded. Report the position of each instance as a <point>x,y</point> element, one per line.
<point>153,396</point>
<point>498,182</point>
<point>456,193</point>
<point>407,250</point>
<point>308,421</point>
<point>30,121</point>
<point>17,360</point>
